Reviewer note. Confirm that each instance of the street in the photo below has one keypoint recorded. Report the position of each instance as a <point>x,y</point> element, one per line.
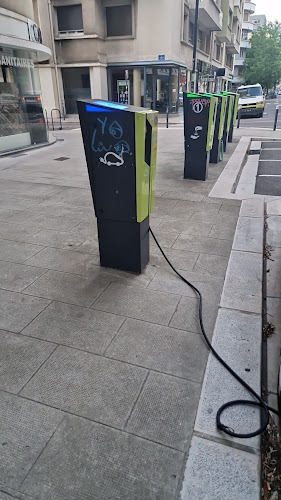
<point>268,118</point>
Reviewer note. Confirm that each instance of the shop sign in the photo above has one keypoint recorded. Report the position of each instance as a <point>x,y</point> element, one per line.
<point>18,62</point>
<point>34,32</point>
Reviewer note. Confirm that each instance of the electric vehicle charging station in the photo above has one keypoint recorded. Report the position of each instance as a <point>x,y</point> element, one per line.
<point>199,125</point>
<point>216,153</point>
<point>228,117</point>
<point>120,143</point>
<point>235,98</point>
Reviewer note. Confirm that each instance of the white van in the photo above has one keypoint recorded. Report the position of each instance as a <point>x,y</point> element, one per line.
<point>251,100</point>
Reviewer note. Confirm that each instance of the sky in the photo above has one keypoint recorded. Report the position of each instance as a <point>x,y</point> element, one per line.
<point>271,8</point>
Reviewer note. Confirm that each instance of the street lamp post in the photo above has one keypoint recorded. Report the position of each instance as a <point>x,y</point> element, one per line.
<point>194,78</point>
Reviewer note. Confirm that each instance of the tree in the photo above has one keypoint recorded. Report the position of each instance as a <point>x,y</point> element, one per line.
<point>263,60</point>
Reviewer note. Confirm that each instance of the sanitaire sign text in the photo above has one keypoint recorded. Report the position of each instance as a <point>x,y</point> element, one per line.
<point>19,62</point>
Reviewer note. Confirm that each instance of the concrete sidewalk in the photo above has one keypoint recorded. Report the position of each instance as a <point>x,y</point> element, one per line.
<point>102,370</point>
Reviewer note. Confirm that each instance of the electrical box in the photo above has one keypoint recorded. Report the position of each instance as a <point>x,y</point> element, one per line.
<point>120,143</point>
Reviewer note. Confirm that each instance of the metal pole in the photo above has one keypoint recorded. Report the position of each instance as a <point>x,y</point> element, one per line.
<point>239,118</point>
<point>276,118</point>
<point>194,78</point>
<point>167,117</point>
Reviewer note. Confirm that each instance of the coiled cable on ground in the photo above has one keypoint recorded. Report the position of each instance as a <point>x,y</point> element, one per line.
<point>260,403</point>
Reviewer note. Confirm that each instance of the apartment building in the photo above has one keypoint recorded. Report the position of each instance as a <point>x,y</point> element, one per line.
<point>134,51</point>
<point>258,20</point>
<point>247,30</point>
<point>21,49</point>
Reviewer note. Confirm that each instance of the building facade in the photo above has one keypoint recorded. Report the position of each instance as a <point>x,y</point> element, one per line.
<point>248,27</point>
<point>258,21</point>
<point>21,49</point>
<point>134,51</point>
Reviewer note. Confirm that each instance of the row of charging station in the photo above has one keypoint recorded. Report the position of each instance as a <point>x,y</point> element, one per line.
<point>208,126</point>
<point>120,145</point>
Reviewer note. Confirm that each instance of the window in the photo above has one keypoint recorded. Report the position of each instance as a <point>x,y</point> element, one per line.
<point>119,20</point>
<point>70,18</point>
<point>191,33</point>
<point>185,23</point>
<point>230,18</point>
<point>200,40</point>
<point>218,52</point>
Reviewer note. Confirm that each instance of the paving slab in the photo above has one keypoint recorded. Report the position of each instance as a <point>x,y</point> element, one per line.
<point>17,232</point>
<point>274,273</point>
<point>6,213</point>
<point>125,466</point>
<point>20,358</point>
<point>186,315</point>
<point>243,282</point>
<point>222,232</point>
<point>165,411</point>
<point>183,226</point>
<point>252,208</point>
<point>273,207</point>
<point>77,327</point>
<point>44,221</point>
<point>159,348</point>
<point>87,385</point>
<point>218,472</point>
<point>15,203</point>
<point>26,427</point>
<point>10,495</point>
<point>237,339</point>
<point>65,260</point>
<point>65,240</point>
<point>207,245</point>
<point>274,342</point>
<point>16,277</point>
<point>273,235</point>
<point>18,310</point>
<point>211,264</point>
<point>70,288</point>
<point>249,234</point>
<point>180,259</point>
<point>16,251</point>
<point>148,305</point>
<point>167,281</point>
<point>166,239</point>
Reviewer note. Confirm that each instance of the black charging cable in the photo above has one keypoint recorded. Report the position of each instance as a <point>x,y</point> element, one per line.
<point>265,409</point>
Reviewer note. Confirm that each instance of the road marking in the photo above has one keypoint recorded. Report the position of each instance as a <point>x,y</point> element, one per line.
<point>269,160</point>
<point>268,175</point>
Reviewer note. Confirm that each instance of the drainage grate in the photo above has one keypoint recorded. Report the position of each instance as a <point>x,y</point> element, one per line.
<point>62,158</point>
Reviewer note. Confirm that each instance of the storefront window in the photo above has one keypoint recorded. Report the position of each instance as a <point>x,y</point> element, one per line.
<point>21,116</point>
<point>152,87</point>
<point>76,84</point>
<point>127,86</point>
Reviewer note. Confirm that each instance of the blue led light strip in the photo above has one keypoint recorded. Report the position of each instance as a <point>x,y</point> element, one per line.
<point>104,104</point>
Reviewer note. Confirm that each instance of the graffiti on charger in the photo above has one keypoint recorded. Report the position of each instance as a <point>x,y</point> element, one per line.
<point>113,153</point>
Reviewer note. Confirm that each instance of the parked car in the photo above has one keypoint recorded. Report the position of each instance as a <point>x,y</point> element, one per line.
<point>251,100</point>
